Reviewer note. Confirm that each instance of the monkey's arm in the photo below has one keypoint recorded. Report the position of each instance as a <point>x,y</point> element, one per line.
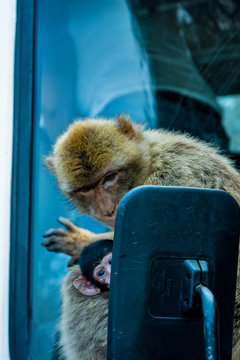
<point>71,240</point>
<point>83,322</point>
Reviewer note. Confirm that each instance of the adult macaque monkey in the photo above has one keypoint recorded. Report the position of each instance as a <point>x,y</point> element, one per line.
<point>96,162</point>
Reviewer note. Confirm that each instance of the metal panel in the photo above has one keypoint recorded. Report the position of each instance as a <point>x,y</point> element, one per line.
<point>160,227</point>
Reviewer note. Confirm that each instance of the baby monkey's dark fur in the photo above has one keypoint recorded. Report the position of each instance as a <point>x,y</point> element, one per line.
<point>91,256</point>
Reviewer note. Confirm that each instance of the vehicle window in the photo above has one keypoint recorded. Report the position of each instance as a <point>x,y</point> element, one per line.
<point>170,64</point>
<point>230,105</point>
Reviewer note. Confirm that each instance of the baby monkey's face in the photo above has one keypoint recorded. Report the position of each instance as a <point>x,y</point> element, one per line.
<point>102,272</point>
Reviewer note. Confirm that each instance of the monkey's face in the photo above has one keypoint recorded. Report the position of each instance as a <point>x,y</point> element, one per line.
<point>97,162</point>
<point>100,200</point>
<point>102,272</point>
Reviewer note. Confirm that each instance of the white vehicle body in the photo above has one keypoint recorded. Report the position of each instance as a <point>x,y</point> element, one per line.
<point>52,87</point>
<point>7,45</point>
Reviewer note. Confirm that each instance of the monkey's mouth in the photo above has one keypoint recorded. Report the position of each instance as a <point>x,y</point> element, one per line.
<point>109,221</point>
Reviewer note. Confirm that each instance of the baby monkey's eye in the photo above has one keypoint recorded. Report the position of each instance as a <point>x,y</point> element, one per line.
<point>110,261</point>
<point>101,273</point>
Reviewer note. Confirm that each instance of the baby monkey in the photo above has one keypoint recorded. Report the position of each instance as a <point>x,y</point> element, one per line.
<point>95,262</point>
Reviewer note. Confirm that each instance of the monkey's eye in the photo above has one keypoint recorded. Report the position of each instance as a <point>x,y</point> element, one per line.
<point>110,177</point>
<point>84,189</point>
<point>101,273</point>
<point>110,261</point>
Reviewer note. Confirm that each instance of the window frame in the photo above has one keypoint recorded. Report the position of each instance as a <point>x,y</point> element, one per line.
<point>19,305</point>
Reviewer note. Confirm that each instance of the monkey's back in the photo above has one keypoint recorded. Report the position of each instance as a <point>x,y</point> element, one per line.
<point>180,160</point>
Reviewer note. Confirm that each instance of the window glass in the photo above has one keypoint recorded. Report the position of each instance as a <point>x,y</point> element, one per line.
<point>170,64</point>
<point>231,120</point>
<point>88,64</point>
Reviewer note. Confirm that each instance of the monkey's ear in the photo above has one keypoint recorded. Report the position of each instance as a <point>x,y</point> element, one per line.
<point>48,161</point>
<point>85,286</point>
<point>125,126</point>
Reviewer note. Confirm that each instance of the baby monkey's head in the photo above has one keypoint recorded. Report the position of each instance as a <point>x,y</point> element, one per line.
<point>95,262</point>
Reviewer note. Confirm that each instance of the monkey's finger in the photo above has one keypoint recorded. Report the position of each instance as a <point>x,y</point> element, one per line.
<point>56,232</point>
<point>55,247</point>
<point>51,240</point>
<point>67,223</point>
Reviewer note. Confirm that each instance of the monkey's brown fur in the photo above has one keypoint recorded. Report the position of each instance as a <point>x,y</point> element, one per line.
<point>156,157</point>
<point>89,149</point>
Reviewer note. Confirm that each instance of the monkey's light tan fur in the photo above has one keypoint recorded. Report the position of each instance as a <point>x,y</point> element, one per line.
<point>161,157</point>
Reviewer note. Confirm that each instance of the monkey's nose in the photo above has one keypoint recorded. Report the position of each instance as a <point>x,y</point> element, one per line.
<point>111,212</point>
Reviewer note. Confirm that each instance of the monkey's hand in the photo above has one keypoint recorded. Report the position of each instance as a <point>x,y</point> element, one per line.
<point>71,240</point>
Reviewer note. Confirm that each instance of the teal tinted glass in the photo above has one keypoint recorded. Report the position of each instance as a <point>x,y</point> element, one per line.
<point>88,64</point>
<point>165,63</point>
